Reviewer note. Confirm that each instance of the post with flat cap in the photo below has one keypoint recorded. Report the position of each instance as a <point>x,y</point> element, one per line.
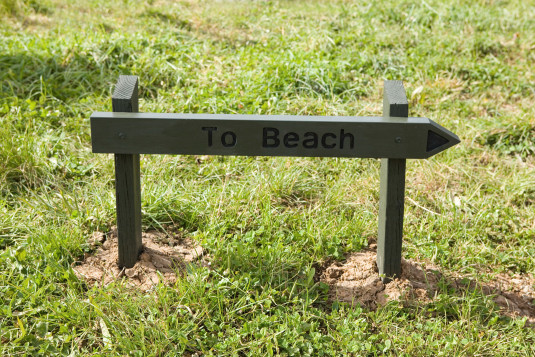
<point>392,191</point>
<point>127,179</point>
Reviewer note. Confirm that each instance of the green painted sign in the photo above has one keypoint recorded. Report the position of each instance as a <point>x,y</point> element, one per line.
<point>273,135</point>
<point>394,137</point>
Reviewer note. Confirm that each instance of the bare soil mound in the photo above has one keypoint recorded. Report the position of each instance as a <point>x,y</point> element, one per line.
<point>164,256</point>
<point>356,281</point>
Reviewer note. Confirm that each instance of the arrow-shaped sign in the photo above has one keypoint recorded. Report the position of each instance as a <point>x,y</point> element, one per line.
<point>274,135</point>
<point>393,137</point>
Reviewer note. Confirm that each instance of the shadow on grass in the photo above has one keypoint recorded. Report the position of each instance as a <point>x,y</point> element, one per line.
<point>65,77</point>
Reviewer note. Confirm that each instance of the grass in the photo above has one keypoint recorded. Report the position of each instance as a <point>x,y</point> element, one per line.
<point>267,223</point>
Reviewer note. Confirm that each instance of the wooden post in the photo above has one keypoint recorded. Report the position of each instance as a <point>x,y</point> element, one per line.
<point>127,179</point>
<point>392,191</point>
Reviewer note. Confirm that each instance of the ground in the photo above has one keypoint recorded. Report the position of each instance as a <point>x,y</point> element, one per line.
<point>355,280</point>
<point>163,257</point>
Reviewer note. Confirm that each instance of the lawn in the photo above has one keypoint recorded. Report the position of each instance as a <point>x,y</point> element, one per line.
<point>269,226</point>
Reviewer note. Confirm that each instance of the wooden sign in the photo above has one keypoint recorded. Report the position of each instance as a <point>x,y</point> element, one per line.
<point>262,135</point>
<point>394,138</point>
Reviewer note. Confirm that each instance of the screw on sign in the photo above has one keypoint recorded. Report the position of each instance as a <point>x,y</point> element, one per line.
<point>394,138</point>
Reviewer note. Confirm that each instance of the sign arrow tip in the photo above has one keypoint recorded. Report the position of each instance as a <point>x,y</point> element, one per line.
<point>434,141</point>
<point>440,139</point>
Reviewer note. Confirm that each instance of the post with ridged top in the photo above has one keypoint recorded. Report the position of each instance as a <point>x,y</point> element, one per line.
<point>392,191</point>
<point>127,179</point>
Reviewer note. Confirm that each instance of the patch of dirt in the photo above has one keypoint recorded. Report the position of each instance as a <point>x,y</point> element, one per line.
<point>356,281</point>
<point>163,257</point>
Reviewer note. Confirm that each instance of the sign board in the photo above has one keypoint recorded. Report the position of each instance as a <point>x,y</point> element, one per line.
<point>394,138</point>
<point>273,135</point>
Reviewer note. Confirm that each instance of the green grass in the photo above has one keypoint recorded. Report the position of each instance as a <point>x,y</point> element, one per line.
<point>267,223</point>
